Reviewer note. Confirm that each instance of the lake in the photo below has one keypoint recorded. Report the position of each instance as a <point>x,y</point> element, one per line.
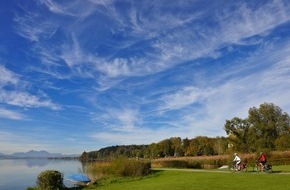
<point>18,174</point>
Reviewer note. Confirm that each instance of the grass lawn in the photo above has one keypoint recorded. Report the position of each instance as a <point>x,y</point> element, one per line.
<point>281,168</point>
<point>183,180</point>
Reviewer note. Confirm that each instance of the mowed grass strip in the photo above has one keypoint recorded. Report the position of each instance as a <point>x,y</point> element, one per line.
<point>175,180</point>
<point>281,168</point>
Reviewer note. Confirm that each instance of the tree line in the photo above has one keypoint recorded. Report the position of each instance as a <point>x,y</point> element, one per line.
<point>265,128</point>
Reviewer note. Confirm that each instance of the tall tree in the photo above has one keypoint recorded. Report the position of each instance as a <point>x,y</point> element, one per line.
<point>238,131</point>
<point>155,150</point>
<point>185,146</point>
<point>220,145</point>
<point>283,142</point>
<point>269,123</point>
<point>176,145</point>
<point>166,147</point>
<point>202,145</point>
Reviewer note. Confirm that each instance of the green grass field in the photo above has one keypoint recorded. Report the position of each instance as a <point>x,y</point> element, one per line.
<point>281,168</point>
<point>188,179</point>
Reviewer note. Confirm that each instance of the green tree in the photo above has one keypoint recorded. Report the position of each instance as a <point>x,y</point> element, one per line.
<point>283,142</point>
<point>269,122</point>
<point>84,157</point>
<point>238,131</point>
<point>220,145</point>
<point>176,145</point>
<point>155,150</point>
<point>202,145</point>
<point>166,147</point>
<point>185,146</point>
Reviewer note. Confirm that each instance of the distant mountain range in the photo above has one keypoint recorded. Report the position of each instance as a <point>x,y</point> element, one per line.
<point>36,154</point>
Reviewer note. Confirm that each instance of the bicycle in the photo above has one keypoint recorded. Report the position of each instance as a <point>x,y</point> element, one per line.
<point>242,167</point>
<point>267,168</point>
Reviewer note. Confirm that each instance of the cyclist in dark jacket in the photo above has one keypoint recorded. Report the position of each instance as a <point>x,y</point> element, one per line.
<point>262,161</point>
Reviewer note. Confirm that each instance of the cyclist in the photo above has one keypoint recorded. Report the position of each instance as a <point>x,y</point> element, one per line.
<point>262,161</point>
<point>237,160</point>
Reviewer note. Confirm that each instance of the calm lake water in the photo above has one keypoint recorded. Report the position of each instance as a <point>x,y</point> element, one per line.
<point>18,174</point>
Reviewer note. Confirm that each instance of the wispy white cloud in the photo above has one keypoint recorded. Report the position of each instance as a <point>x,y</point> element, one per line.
<point>137,136</point>
<point>18,96</point>
<point>128,118</point>
<point>246,21</point>
<point>78,9</point>
<point>9,114</point>
<point>185,97</point>
<point>72,54</point>
<point>47,55</point>
<point>119,120</point>
<point>34,27</point>
<point>233,27</point>
<point>7,77</point>
<point>54,7</point>
<point>154,19</point>
<point>24,99</point>
<point>126,67</point>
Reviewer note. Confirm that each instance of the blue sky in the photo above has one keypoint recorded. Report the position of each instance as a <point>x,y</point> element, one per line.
<point>81,75</point>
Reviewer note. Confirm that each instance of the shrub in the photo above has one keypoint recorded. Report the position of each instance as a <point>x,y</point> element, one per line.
<point>98,170</point>
<point>50,180</point>
<point>123,167</point>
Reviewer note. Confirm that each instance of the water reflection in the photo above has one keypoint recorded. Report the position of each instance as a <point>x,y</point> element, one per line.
<point>36,163</point>
<point>21,173</point>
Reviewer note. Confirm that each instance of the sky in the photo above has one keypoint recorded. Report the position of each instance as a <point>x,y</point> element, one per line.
<point>81,75</point>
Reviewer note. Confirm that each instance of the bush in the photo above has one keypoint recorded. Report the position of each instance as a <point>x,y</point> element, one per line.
<point>123,167</point>
<point>50,180</point>
<point>98,170</point>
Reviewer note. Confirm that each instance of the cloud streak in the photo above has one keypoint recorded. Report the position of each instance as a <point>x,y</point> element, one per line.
<point>24,99</point>
<point>18,96</point>
<point>9,114</point>
<point>7,77</point>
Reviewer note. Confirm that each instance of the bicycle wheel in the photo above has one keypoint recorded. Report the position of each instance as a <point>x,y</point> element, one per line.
<point>268,169</point>
<point>232,167</point>
<point>244,169</point>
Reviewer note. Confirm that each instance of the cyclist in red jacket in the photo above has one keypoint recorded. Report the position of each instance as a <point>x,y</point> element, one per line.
<point>262,161</point>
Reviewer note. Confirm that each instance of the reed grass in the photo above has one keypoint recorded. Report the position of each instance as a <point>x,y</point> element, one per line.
<point>121,167</point>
